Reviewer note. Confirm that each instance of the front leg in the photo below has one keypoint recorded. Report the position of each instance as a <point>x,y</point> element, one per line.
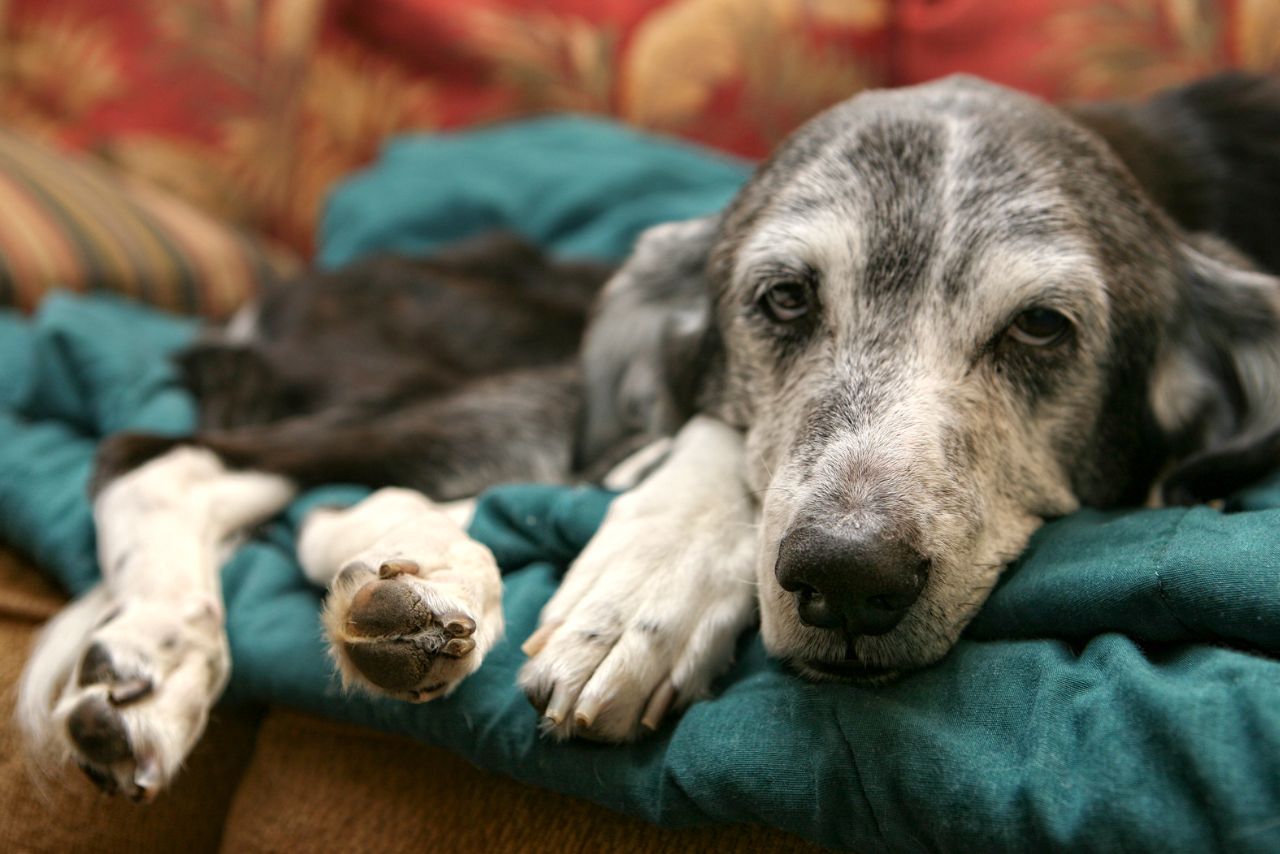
<point>648,614</point>
<point>121,682</point>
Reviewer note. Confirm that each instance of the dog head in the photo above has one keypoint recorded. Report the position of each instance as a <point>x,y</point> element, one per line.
<point>945,314</point>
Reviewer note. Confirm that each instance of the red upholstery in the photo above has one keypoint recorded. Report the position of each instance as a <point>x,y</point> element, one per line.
<point>252,111</point>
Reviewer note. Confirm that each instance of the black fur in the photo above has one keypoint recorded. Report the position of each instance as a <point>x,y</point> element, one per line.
<point>1209,154</point>
<point>446,375</point>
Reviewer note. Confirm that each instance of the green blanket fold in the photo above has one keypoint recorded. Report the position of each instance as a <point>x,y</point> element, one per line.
<point>1117,691</point>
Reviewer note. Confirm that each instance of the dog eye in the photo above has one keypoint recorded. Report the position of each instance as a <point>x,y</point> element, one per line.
<point>785,302</point>
<point>1040,327</point>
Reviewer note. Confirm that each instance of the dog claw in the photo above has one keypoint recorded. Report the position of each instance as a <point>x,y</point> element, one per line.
<point>352,572</point>
<point>459,625</point>
<point>123,693</point>
<point>399,566</point>
<point>97,668</point>
<point>585,715</point>
<point>538,640</point>
<point>147,781</point>
<point>558,706</point>
<point>658,706</point>
<point>458,647</point>
<point>581,721</point>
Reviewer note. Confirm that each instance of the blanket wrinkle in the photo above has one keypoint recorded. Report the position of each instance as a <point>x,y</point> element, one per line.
<point>1157,568</point>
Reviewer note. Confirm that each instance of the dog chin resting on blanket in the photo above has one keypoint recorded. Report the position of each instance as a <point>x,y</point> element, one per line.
<point>934,318</point>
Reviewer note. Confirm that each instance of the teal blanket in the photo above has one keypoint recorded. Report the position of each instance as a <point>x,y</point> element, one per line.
<point>1117,692</point>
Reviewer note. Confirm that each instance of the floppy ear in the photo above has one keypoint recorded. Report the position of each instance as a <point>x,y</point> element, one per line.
<point>1216,391</point>
<point>649,343</point>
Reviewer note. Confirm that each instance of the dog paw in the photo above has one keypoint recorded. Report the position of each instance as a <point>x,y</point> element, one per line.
<point>644,620</point>
<point>139,696</point>
<point>414,629</point>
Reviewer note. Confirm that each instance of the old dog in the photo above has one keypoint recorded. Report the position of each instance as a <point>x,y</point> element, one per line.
<point>934,319</point>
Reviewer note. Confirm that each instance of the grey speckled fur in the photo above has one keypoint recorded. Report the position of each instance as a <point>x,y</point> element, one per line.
<point>920,223</point>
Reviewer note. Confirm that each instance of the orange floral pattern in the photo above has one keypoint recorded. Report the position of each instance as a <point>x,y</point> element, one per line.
<point>249,110</point>
<point>252,109</point>
<point>55,68</point>
<point>1131,48</point>
<point>738,74</point>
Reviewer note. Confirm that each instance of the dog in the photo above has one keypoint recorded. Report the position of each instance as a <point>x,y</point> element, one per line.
<point>935,318</point>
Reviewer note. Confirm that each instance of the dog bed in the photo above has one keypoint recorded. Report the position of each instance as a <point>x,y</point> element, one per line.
<point>1117,692</point>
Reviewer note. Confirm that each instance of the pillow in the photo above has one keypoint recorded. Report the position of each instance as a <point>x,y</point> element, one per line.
<point>70,223</point>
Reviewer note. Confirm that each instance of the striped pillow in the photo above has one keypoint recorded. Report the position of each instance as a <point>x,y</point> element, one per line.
<point>69,222</point>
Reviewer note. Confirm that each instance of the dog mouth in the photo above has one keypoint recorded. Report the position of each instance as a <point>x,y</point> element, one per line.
<point>845,670</point>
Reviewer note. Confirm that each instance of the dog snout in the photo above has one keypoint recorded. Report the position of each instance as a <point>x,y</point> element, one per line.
<point>857,579</point>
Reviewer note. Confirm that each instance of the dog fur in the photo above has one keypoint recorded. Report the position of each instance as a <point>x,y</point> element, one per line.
<point>919,225</point>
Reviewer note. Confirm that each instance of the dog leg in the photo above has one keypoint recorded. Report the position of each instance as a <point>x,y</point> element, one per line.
<point>414,603</point>
<point>121,682</point>
<point>648,614</point>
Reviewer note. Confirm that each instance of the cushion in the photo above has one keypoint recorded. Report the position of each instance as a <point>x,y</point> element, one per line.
<point>1119,686</point>
<point>70,223</point>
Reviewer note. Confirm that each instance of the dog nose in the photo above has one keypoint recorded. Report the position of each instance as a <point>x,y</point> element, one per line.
<point>855,579</point>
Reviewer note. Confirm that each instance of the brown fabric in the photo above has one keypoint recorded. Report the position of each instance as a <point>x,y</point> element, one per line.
<point>25,594</point>
<point>316,785</point>
<point>72,816</point>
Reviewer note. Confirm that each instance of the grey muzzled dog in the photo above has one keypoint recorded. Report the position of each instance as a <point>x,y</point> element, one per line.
<point>944,314</point>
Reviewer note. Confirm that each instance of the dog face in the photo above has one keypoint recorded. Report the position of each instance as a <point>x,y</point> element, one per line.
<point>948,313</point>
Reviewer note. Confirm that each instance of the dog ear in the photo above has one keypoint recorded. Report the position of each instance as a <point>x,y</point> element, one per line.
<point>1216,391</point>
<point>649,342</point>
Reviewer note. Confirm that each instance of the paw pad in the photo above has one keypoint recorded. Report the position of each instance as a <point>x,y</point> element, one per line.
<point>97,668</point>
<point>392,568</point>
<point>386,608</point>
<point>98,731</point>
<point>391,665</point>
<point>393,639</point>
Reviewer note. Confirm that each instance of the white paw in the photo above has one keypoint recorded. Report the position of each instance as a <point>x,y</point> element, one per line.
<point>644,620</point>
<point>139,695</point>
<point>416,609</point>
<point>121,681</point>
